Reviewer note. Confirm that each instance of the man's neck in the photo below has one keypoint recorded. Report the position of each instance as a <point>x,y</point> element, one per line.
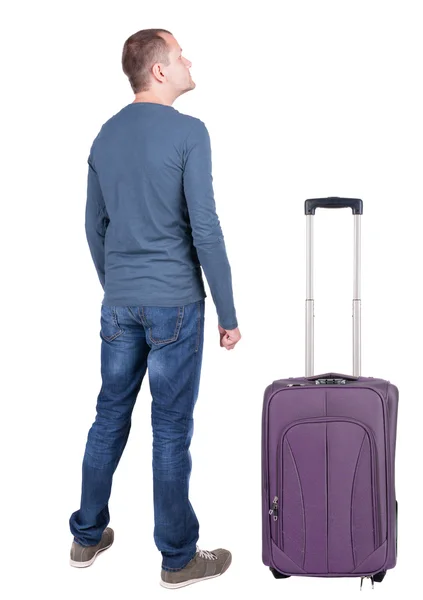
<point>149,97</point>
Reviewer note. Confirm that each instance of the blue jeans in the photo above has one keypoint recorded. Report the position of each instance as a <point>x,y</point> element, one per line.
<point>169,341</point>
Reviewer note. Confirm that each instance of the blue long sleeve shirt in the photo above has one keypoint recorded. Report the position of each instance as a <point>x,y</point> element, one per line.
<point>151,220</point>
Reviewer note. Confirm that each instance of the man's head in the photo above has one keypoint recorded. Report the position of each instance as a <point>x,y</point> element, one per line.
<point>153,62</point>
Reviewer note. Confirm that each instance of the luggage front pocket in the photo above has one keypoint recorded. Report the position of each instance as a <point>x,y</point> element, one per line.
<point>327,494</point>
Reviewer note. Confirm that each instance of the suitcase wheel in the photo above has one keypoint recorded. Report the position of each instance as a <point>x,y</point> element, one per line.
<point>278,574</point>
<point>379,576</point>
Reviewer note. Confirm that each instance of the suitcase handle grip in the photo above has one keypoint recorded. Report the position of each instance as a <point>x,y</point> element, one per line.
<point>355,204</point>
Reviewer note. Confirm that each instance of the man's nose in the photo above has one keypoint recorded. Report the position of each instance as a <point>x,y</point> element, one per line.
<point>188,63</point>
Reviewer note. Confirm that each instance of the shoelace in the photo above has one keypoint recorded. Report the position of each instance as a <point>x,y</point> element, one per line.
<point>206,554</point>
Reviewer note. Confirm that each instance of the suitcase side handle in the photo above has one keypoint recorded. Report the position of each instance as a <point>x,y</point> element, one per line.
<point>355,204</point>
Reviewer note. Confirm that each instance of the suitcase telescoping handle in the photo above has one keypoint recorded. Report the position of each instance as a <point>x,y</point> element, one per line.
<point>356,206</point>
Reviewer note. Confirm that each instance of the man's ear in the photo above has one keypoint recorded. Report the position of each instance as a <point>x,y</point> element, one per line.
<point>158,72</point>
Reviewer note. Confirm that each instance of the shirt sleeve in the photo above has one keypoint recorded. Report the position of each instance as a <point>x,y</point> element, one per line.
<point>206,230</point>
<point>96,221</point>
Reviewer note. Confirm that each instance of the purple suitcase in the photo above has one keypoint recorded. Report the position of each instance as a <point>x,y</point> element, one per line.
<point>329,506</point>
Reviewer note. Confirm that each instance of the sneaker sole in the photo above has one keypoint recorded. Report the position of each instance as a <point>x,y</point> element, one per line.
<point>190,581</point>
<point>87,563</point>
<point>184,583</point>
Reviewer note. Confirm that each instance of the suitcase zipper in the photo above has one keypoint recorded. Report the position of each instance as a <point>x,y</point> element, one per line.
<point>274,512</point>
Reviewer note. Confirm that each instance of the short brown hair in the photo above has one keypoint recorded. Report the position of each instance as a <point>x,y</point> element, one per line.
<point>140,51</point>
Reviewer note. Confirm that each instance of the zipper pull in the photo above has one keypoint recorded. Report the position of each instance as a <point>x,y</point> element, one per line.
<point>274,510</point>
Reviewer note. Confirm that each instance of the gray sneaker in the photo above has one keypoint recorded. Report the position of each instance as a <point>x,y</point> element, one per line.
<point>84,556</point>
<point>204,565</point>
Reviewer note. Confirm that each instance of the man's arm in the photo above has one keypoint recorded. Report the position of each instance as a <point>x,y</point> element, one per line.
<point>96,221</point>
<point>206,230</point>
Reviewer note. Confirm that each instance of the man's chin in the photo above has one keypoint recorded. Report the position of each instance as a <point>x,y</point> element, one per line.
<point>191,86</point>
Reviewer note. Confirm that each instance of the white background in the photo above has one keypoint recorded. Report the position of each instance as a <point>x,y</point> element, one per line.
<point>302,100</point>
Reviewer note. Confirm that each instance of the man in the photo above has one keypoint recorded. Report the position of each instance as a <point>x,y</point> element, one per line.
<point>151,222</point>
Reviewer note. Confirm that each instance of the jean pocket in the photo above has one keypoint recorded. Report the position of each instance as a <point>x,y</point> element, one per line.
<point>163,323</point>
<point>110,328</point>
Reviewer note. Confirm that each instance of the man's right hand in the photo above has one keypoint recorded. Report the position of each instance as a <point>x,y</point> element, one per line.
<point>229,337</point>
